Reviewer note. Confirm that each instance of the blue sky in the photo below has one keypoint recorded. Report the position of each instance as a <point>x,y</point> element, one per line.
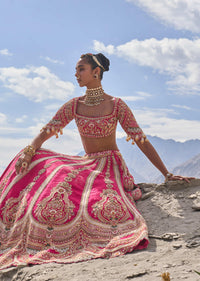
<point>153,47</point>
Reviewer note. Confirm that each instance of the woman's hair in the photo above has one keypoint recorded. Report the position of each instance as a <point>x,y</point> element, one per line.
<point>98,60</point>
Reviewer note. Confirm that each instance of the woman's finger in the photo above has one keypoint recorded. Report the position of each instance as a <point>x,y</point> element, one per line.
<point>18,166</point>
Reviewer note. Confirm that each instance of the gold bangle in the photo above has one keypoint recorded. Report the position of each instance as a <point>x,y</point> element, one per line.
<point>168,175</point>
<point>29,150</point>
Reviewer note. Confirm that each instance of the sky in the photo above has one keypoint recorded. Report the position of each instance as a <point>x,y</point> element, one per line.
<point>154,52</point>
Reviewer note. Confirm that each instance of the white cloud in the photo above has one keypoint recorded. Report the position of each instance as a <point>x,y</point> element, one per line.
<point>35,83</point>
<point>181,14</point>
<point>9,147</point>
<point>3,118</point>
<point>5,52</point>
<point>182,106</point>
<point>99,46</point>
<point>178,58</point>
<point>160,123</point>
<point>139,96</point>
<point>52,107</point>
<point>52,60</point>
<point>8,130</point>
<point>21,119</point>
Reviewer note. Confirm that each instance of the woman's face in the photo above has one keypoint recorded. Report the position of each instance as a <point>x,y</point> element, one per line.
<point>84,74</point>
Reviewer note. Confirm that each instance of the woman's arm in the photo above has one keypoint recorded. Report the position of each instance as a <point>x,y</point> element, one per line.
<point>25,159</point>
<point>41,138</point>
<point>134,132</point>
<point>63,116</point>
<point>150,152</point>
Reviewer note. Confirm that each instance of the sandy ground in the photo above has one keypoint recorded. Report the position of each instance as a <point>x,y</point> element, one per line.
<point>172,212</point>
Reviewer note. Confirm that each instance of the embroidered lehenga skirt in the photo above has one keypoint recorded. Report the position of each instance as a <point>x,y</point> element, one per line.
<point>67,209</point>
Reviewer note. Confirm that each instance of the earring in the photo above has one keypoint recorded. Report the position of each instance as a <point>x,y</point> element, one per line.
<point>96,76</point>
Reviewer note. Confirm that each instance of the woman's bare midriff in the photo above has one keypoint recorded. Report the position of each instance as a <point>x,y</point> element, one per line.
<point>92,145</point>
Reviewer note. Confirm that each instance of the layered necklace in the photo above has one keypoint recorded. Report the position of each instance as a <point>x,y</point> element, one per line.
<point>94,96</point>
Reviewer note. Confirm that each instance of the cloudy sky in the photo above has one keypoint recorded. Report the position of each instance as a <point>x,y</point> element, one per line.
<point>153,47</point>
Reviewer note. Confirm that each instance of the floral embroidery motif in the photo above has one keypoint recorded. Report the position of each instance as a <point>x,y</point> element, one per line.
<point>128,122</point>
<point>63,116</point>
<point>111,209</point>
<point>96,127</point>
<point>13,209</point>
<point>56,209</point>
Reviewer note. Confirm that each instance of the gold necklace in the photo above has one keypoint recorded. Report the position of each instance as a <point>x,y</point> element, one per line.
<point>94,96</point>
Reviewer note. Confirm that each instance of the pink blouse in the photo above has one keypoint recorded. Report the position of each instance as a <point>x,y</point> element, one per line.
<point>97,127</point>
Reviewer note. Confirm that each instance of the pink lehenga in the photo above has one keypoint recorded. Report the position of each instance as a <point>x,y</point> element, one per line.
<point>71,208</point>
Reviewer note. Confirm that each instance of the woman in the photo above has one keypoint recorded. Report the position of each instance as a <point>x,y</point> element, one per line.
<point>60,208</point>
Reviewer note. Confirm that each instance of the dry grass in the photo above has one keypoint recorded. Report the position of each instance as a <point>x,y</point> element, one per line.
<point>165,276</point>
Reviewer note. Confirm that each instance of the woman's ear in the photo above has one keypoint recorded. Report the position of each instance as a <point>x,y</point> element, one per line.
<point>97,71</point>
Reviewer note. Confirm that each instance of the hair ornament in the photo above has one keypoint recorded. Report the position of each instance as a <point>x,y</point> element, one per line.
<point>97,62</point>
<point>94,59</point>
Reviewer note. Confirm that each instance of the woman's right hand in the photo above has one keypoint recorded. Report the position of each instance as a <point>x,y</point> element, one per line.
<point>23,163</point>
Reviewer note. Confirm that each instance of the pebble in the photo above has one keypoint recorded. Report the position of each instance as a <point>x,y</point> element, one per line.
<point>196,207</point>
<point>177,246</point>
<point>192,196</point>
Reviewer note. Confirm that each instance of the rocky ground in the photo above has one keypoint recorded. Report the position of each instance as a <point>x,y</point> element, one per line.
<point>172,212</point>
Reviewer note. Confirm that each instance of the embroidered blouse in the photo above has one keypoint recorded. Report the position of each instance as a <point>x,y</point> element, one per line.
<point>97,127</point>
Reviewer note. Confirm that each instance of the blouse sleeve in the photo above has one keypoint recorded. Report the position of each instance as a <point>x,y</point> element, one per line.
<point>129,124</point>
<point>63,116</point>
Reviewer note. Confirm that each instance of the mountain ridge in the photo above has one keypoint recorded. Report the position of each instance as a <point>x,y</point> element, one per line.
<point>172,153</point>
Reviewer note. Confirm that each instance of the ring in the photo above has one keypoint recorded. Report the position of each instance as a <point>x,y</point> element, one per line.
<point>24,164</point>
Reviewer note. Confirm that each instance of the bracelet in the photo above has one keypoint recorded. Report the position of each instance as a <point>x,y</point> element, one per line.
<point>168,175</point>
<point>29,150</point>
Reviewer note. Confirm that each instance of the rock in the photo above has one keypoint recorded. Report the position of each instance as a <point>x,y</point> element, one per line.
<point>196,206</point>
<point>193,242</point>
<point>137,274</point>
<point>177,246</point>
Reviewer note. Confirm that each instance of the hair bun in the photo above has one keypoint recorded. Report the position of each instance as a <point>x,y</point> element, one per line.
<point>103,60</point>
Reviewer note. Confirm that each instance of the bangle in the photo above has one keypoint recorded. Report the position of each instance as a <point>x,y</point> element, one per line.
<point>168,175</point>
<point>29,150</point>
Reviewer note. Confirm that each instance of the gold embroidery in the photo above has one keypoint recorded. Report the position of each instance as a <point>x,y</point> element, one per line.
<point>13,209</point>
<point>111,209</point>
<point>4,182</point>
<point>56,209</point>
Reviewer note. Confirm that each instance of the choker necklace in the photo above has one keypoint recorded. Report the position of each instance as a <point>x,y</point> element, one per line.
<point>94,96</point>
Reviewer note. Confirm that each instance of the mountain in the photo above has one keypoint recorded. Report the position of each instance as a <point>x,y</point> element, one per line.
<point>189,168</point>
<point>172,153</point>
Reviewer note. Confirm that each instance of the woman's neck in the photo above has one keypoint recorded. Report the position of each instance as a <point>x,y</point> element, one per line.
<point>94,85</point>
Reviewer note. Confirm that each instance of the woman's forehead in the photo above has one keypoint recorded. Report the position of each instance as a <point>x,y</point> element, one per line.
<point>81,62</point>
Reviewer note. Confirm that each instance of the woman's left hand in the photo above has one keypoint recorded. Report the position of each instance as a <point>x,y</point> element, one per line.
<point>22,164</point>
<point>181,178</point>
